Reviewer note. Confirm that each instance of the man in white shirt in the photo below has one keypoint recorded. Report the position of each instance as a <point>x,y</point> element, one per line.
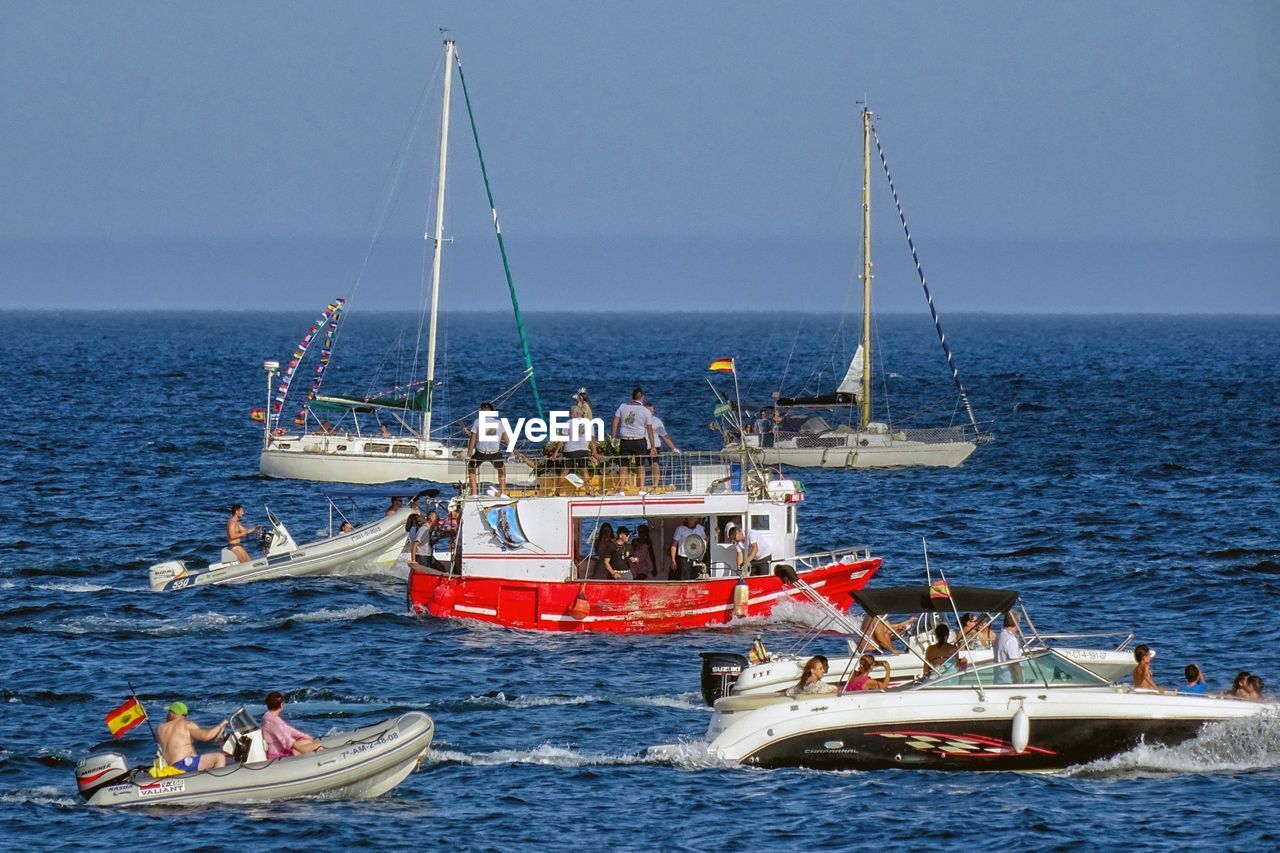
<point>753,550</point>
<point>682,567</point>
<point>655,445</point>
<point>632,426</point>
<point>480,451</point>
<point>1009,648</point>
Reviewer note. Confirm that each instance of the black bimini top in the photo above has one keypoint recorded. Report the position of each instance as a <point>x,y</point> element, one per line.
<point>916,599</point>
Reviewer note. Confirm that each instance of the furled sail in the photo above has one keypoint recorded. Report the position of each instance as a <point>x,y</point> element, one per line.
<point>844,395</point>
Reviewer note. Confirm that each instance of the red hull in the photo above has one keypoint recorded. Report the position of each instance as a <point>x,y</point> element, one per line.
<point>620,607</point>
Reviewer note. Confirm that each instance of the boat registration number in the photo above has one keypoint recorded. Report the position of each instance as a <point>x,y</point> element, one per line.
<point>155,789</point>
<point>365,747</point>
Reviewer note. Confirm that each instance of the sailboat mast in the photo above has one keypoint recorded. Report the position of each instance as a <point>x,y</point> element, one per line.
<point>438,237</point>
<point>864,416</point>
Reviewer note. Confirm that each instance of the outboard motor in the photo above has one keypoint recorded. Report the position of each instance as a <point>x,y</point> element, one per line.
<point>719,672</point>
<point>98,771</point>
<point>163,574</point>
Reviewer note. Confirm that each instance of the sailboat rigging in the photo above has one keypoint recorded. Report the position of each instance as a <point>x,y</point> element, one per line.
<point>354,457</point>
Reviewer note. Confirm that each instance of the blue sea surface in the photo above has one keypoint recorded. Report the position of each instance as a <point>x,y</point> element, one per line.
<point>1134,484</point>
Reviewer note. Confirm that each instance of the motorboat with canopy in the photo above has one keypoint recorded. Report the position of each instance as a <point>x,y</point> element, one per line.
<point>1041,712</point>
<point>801,436</point>
<point>393,432</point>
<point>762,672</point>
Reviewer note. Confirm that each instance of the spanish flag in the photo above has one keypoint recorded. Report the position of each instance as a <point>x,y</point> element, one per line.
<point>124,718</point>
<point>723,365</point>
<point>939,590</point>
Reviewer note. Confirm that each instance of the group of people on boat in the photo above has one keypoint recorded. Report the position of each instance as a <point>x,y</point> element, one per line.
<point>636,428</point>
<point>177,735</point>
<point>1244,686</point>
<point>621,554</point>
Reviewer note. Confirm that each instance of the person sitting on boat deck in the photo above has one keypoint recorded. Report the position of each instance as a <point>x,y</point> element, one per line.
<point>1195,680</point>
<point>1256,687</point>
<point>1008,648</point>
<point>383,431</point>
<point>973,633</point>
<point>1240,686</point>
<point>643,562</point>
<point>281,739</point>
<point>176,737</point>
<point>236,531</point>
<point>581,444</point>
<point>753,550</point>
<point>811,683</point>
<point>346,527</point>
<point>941,655</point>
<point>480,451</point>
<point>878,634</point>
<point>682,567</point>
<point>659,431</point>
<point>862,680</point>
<point>396,505</point>
<point>615,563</point>
<point>633,428</point>
<point>1142,678</point>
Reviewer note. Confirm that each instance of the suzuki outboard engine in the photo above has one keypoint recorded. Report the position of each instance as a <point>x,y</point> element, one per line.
<point>719,672</point>
<point>99,771</point>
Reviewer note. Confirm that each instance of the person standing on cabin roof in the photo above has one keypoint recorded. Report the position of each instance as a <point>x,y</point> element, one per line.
<point>480,451</point>
<point>633,426</point>
<point>764,428</point>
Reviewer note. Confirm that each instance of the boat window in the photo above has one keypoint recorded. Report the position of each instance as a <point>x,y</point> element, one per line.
<point>1023,671</point>
<point>1060,672</point>
<point>341,447</point>
<point>373,447</point>
<point>759,522</point>
<point>407,449</point>
<point>791,519</point>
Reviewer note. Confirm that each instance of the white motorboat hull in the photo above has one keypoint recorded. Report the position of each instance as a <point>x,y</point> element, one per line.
<point>370,460</point>
<point>371,547</point>
<point>960,728</point>
<point>361,764</point>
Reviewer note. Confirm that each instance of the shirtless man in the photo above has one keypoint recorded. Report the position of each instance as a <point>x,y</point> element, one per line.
<point>1142,678</point>
<point>236,531</point>
<point>176,736</point>
<point>877,634</point>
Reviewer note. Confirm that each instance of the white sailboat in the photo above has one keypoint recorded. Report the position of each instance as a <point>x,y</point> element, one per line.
<point>348,455</point>
<point>861,442</point>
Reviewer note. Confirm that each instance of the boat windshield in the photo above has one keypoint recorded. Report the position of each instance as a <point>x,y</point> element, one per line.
<point>1048,669</point>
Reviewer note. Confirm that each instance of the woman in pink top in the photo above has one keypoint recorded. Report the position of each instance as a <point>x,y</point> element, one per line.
<point>281,739</point>
<point>862,679</point>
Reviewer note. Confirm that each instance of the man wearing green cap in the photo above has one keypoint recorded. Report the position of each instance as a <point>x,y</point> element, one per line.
<point>177,735</point>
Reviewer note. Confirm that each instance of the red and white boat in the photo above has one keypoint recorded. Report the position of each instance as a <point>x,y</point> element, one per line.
<point>521,561</point>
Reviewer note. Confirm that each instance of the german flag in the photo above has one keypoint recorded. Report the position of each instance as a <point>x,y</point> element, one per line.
<point>258,415</point>
<point>939,590</point>
<point>723,365</point>
<point>124,718</point>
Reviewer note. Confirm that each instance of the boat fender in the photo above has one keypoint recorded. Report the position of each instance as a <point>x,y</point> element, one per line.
<point>786,572</point>
<point>581,606</point>
<point>442,600</point>
<point>741,594</point>
<point>1021,734</point>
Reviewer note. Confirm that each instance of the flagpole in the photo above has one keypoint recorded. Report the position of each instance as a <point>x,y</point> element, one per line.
<point>963,639</point>
<point>145,715</point>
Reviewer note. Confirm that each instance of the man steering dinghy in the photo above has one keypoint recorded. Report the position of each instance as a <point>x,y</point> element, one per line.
<point>176,737</point>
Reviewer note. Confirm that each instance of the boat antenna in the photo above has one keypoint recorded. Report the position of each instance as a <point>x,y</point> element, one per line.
<point>924,543</point>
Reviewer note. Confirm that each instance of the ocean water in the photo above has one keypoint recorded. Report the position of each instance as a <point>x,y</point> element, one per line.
<point>1134,484</point>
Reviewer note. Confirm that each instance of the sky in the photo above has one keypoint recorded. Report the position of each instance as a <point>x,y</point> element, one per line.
<point>1050,156</point>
